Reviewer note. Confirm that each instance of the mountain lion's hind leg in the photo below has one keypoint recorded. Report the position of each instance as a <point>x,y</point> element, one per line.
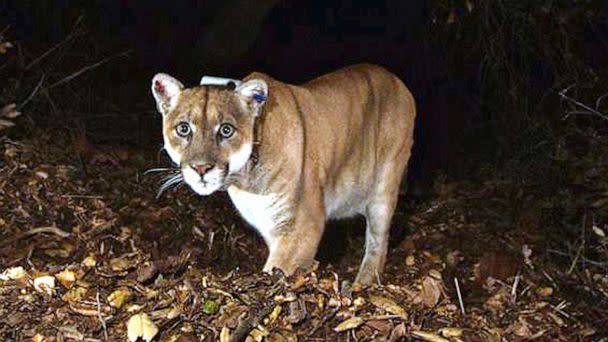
<point>378,221</point>
<point>378,216</point>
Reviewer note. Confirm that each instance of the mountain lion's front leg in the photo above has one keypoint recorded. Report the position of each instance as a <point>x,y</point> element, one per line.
<point>296,245</point>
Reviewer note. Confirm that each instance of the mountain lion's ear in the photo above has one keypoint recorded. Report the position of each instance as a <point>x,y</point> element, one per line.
<point>254,94</point>
<point>165,90</point>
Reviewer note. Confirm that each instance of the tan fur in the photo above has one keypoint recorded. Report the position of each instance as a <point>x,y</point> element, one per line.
<point>334,147</point>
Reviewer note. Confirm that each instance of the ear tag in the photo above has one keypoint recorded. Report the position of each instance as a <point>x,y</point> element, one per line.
<point>259,98</point>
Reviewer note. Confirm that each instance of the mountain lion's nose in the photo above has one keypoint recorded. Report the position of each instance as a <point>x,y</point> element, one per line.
<point>202,169</point>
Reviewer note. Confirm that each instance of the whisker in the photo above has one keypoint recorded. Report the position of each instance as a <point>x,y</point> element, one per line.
<point>169,176</point>
<point>169,182</point>
<point>160,169</point>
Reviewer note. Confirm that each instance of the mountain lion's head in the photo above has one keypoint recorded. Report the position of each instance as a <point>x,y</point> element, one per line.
<point>208,130</point>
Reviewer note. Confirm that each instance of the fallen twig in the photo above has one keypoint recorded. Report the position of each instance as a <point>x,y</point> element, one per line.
<point>323,321</point>
<point>253,319</point>
<point>514,288</point>
<point>459,296</point>
<point>49,229</point>
<point>39,230</point>
<point>103,322</point>
<point>383,317</point>
<point>83,196</point>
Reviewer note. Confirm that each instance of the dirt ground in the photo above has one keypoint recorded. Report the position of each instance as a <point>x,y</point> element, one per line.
<point>87,253</point>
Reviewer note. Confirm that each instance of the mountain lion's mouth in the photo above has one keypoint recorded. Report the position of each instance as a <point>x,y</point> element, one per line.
<point>206,185</point>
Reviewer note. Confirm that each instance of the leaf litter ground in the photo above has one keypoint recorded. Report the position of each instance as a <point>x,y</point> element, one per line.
<point>88,253</point>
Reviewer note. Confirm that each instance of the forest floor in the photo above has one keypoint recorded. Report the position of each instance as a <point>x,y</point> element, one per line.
<point>87,253</point>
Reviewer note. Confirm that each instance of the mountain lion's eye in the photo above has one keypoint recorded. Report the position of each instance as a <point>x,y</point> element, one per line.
<point>183,129</point>
<point>226,130</point>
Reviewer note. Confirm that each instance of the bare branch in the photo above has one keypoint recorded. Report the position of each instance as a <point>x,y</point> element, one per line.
<point>85,69</point>
<point>583,109</point>
<point>71,36</point>
<point>33,93</point>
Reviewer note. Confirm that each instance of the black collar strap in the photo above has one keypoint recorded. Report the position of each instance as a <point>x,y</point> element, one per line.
<point>258,123</point>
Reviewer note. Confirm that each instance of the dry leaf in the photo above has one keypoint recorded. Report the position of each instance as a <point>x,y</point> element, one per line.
<point>359,302</point>
<point>431,291</point>
<point>75,294</point>
<point>39,338</point>
<point>521,329</point>
<point>410,260</point>
<point>71,333</point>
<point>45,284</point>
<point>398,332</point>
<point>388,305</point>
<point>275,313</point>
<point>13,273</point>
<point>258,334</point>
<point>141,325</point>
<point>225,335</point>
<point>120,264</point>
<point>545,291</point>
<point>66,277</point>
<point>450,332</point>
<point>427,336</point>
<point>349,324</point>
<point>499,300</point>
<point>119,297</point>
<point>89,261</point>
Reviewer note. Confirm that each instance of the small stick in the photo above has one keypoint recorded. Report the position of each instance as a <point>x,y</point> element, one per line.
<point>49,229</point>
<point>514,288</point>
<point>83,196</point>
<point>322,321</point>
<point>459,296</point>
<point>211,237</point>
<point>575,260</point>
<point>559,309</point>
<point>34,92</point>
<point>197,231</point>
<point>251,322</point>
<point>383,317</point>
<point>34,231</point>
<point>103,322</point>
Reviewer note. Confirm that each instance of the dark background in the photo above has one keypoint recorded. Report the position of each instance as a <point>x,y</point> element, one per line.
<point>485,76</point>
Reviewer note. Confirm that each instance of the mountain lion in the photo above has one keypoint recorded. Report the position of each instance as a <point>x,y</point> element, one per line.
<point>293,156</point>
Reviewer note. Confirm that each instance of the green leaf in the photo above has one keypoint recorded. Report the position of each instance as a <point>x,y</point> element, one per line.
<point>210,307</point>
